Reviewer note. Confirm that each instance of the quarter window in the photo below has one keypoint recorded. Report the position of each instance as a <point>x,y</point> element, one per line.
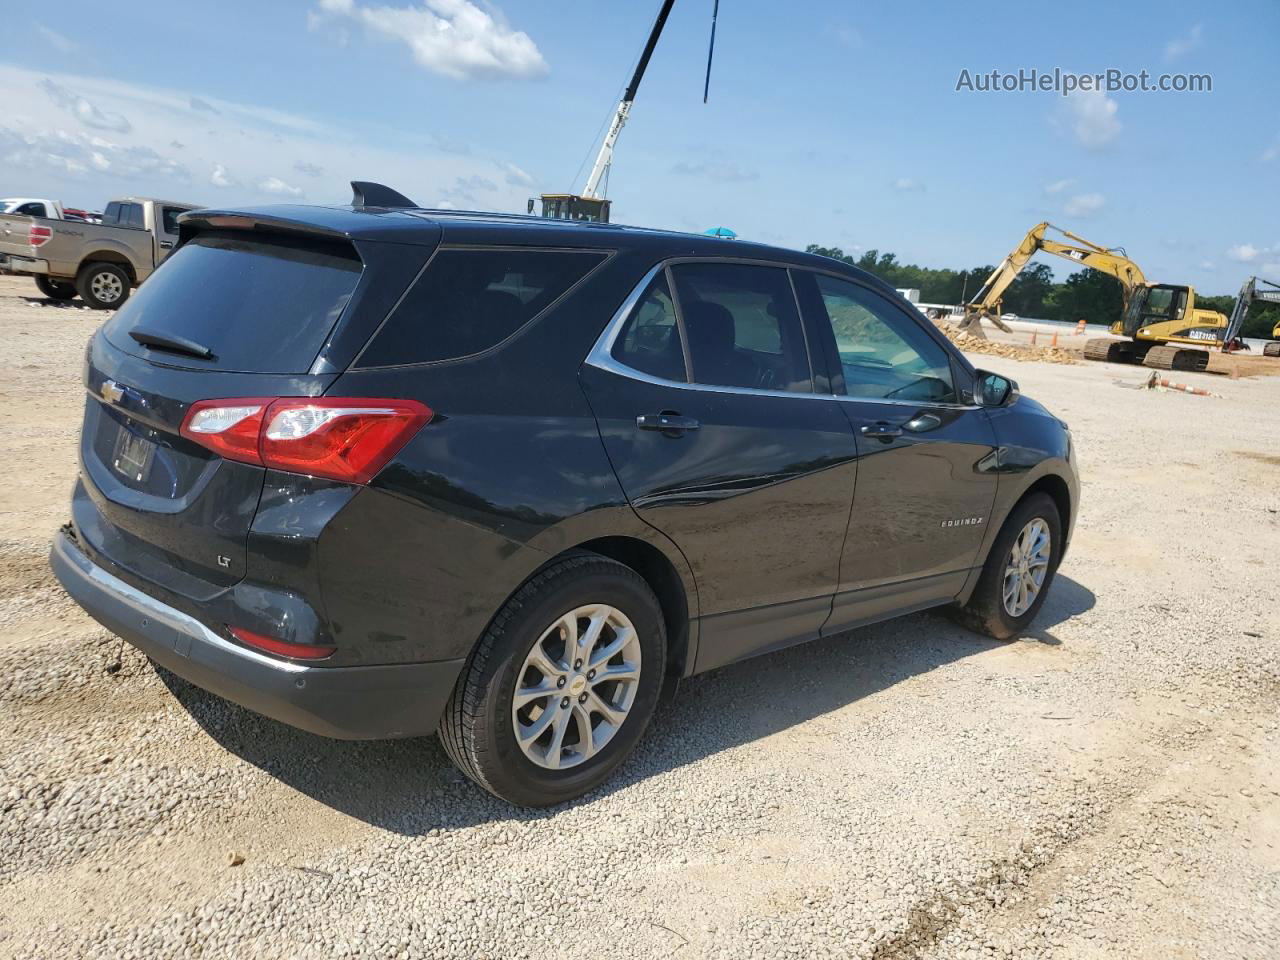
<point>883,352</point>
<point>741,326</point>
<point>650,340</point>
<point>470,300</point>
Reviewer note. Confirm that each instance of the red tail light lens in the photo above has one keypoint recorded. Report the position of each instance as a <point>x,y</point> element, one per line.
<point>300,651</point>
<point>340,438</point>
<point>38,235</point>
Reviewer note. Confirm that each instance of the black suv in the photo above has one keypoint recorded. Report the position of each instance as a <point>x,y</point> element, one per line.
<point>375,471</point>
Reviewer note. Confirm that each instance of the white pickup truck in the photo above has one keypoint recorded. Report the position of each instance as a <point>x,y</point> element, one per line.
<point>102,262</point>
<point>32,207</point>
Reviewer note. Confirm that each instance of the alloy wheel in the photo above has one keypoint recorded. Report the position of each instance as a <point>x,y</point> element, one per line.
<point>106,287</point>
<point>577,686</point>
<point>1026,568</point>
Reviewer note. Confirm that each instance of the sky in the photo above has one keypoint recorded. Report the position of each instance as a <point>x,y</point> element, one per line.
<point>836,123</point>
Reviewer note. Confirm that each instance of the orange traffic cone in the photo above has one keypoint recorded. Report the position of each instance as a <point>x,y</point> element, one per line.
<point>1054,341</point>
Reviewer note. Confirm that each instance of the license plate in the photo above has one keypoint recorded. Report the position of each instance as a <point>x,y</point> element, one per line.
<point>132,456</point>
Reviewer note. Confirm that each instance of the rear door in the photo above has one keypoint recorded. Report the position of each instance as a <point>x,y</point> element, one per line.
<point>703,390</point>
<point>926,453</point>
<point>233,315</point>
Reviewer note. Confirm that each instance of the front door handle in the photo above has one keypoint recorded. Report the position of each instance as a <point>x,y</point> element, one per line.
<point>166,244</point>
<point>881,430</point>
<point>671,424</point>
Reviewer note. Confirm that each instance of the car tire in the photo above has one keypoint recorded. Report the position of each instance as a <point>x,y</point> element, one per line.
<point>56,289</point>
<point>489,735</point>
<point>989,610</point>
<point>103,286</point>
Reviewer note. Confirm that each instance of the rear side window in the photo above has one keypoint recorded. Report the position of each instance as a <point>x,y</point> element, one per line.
<point>260,305</point>
<point>467,301</point>
<point>742,326</point>
<point>650,339</point>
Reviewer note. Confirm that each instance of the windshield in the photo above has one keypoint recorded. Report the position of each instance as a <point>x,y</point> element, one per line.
<point>258,305</point>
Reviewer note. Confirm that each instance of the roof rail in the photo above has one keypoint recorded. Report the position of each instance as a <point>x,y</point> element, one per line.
<point>367,194</point>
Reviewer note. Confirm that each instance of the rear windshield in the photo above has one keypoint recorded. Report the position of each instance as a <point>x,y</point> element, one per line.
<point>467,301</point>
<point>258,305</point>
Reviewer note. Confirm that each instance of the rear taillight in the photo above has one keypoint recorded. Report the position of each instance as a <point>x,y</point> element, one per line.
<point>38,235</point>
<point>283,648</point>
<point>340,438</point>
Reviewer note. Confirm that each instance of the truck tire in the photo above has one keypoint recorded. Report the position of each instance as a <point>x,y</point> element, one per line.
<point>103,286</point>
<point>56,289</point>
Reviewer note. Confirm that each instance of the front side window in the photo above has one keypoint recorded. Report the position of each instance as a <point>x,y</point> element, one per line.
<point>169,219</point>
<point>741,326</point>
<point>467,301</point>
<point>883,353</point>
<point>649,341</point>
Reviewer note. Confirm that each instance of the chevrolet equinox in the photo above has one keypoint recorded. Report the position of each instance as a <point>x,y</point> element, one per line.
<point>377,471</point>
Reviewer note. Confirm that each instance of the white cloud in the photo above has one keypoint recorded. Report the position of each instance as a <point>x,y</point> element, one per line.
<point>173,149</point>
<point>1243,253</point>
<point>1059,185</point>
<point>78,154</point>
<point>55,39</point>
<point>219,177</point>
<point>724,171</point>
<point>516,177</point>
<point>1179,47</point>
<point>907,185</point>
<point>277,187</point>
<point>201,105</point>
<point>1084,204</point>
<point>454,38</point>
<point>1092,117</point>
<point>85,111</point>
<point>1271,152</point>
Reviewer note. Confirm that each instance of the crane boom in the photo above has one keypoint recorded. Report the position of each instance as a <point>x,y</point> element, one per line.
<point>604,159</point>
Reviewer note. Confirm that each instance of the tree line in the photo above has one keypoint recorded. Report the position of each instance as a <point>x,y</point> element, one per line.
<point>1096,297</point>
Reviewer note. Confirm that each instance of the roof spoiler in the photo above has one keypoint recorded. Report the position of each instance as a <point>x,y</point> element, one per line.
<point>367,194</point>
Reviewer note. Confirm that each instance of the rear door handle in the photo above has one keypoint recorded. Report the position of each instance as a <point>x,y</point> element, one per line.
<point>166,244</point>
<point>881,430</point>
<point>671,424</point>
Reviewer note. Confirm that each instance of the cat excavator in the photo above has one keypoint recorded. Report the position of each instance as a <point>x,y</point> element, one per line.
<point>1160,321</point>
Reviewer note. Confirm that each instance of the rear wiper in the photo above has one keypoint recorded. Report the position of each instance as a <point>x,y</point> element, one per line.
<point>172,342</point>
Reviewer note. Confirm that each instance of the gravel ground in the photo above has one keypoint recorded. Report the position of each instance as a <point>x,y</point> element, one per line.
<point>1105,787</point>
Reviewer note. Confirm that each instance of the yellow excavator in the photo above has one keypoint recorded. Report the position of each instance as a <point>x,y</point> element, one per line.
<point>1158,319</point>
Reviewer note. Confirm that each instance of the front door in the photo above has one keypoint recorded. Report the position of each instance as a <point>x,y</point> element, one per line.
<point>926,454</point>
<point>704,395</point>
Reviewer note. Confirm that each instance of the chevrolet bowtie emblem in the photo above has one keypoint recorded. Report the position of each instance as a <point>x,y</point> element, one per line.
<point>112,392</point>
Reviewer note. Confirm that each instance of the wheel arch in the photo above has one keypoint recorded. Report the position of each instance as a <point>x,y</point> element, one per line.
<point>110,256</point>
<point>667,584</point>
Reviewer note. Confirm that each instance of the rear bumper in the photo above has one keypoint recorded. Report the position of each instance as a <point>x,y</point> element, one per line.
<point>15,264</point>
<point>347,703</point>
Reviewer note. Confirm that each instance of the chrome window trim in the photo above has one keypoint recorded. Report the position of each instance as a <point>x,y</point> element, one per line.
<point>601,354</point>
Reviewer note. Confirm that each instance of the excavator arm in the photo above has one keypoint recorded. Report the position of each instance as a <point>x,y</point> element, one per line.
<point>1112,261</point>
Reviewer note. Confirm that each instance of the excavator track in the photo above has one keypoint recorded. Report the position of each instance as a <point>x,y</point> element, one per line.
<point>1176,358</point>
<point>1109,350</point>
<point>1271,349</point>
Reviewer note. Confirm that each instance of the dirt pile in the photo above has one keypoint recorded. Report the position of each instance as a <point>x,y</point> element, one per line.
<point>1010,351</point>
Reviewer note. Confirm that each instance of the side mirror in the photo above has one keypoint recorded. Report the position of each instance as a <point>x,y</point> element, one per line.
<point>994,390</point>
